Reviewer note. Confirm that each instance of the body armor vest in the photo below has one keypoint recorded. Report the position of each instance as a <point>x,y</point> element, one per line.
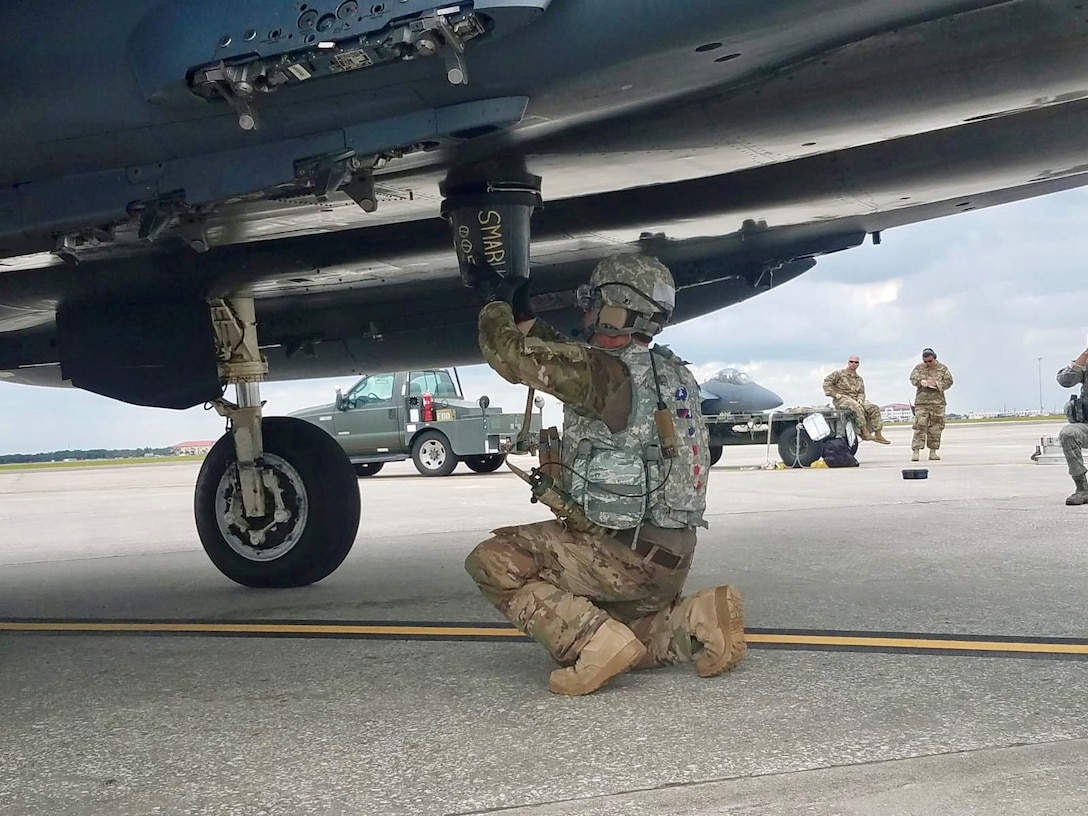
<point>620,479</point>
<point>1076,410</point>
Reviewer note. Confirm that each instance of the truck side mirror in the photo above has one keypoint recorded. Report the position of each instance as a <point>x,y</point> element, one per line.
<point>539,402</point>
<point>483,402</point>
<point>341,403</point>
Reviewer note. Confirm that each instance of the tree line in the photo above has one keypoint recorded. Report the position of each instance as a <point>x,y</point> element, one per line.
<point>97,453</point>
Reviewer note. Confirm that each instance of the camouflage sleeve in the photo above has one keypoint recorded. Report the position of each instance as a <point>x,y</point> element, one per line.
<point>545,331</point>
<point>831,382</point>
<point>916,375</point>
<point>577,375</point>
<point>1071,375</point>
<point>861,390</point>
<point>945,382</point>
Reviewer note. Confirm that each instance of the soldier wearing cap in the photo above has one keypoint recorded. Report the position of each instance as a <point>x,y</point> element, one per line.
<point>847,391</point>
<point>606,601</point>
<point>932,379</point>
<point>1074,436</point>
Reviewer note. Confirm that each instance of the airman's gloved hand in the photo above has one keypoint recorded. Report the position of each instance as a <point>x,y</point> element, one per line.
<point>521,304</point>
<point>489,285</point>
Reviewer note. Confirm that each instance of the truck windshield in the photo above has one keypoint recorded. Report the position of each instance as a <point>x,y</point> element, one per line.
<point>435,383</point>
<point>373,388</point>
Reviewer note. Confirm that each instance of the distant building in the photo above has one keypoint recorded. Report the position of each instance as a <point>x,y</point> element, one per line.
<point>896,412</point>
<point>200,448</point>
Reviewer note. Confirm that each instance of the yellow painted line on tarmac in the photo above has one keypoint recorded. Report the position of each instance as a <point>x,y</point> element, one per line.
<point>346,629</point>
<point>393,630</point>
<point>918,644</point>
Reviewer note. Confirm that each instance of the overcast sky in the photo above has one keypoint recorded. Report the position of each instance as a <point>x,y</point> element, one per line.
<point>991,291</point>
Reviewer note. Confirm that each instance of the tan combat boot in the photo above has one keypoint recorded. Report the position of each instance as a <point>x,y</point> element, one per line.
<point>611,651</point>
<point>1081,495</point>
<point>879,437</point>
<point>933,456</point>
<point>914,455</point>
<point>863,432</point>
<point>716,619</point>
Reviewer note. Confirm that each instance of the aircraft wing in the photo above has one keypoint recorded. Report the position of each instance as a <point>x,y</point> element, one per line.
<point>738,146</point>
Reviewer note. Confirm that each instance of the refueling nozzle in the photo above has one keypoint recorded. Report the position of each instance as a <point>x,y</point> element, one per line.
<point>489,219</point>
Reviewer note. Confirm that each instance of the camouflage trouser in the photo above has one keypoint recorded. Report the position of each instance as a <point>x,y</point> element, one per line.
<point>1074,438</point>
<point>559,586</point>
<point>867,414</point>
<point>928,425</point>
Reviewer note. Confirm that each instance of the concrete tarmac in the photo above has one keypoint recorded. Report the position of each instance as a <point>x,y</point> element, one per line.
<point>97,723</point>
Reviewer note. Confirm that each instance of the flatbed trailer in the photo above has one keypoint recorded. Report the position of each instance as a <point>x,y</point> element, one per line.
<point>783,428</point>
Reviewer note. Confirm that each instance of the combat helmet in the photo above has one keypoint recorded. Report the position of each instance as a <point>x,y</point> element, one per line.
<point>629,294</point>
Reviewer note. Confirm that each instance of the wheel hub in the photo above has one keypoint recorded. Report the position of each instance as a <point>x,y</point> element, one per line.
<point>274,534</point>
<point>432,454</point>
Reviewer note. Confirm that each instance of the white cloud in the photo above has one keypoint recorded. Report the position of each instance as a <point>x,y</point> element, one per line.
<point>870,296</point>
<point>991,291</point>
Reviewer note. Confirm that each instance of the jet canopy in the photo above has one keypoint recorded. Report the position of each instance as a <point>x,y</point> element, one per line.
<point>731,375</point>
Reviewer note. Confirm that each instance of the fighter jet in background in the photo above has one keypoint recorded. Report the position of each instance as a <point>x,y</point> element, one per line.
<point>731,391</point>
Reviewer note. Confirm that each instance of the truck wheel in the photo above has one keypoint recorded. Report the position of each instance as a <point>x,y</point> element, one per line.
<point>715,454</point>
<point>796,449</point>
<point>432,455</point>
<point>485,464</point>
<point>365,469</point>
<point>312,502</point>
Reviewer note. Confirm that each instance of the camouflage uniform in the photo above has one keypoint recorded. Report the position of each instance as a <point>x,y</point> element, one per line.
<point>929,404</point>
<point>847,391</point>
<point>560,586</point>
<point>1074,436</point>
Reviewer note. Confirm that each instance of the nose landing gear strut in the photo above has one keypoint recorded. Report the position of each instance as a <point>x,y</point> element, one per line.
<point>277,503</point>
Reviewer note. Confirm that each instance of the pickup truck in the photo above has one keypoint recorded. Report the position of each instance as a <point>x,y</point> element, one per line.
<point>391,416</point>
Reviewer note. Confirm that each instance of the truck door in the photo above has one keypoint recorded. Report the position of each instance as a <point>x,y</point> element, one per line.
<point>371,420</point>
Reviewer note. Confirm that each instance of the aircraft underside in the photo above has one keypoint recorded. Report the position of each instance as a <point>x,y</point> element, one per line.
<point>274,189</point>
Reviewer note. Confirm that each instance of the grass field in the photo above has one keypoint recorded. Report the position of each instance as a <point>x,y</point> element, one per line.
<point>1048,418</point>
<point>76,463</point>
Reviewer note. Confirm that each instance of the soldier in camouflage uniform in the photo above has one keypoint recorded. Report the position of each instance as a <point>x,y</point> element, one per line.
<point>847,391</point>
<point>932,379</point>
<point>1074,436</point>
<point>607,601</point>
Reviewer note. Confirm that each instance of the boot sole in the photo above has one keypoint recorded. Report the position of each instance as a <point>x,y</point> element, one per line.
<point>730,610</point>
<point>624,660</point>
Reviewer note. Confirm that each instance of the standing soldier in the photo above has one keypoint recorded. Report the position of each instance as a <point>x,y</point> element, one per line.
<point>599,587</point>
<point>847,391</point>
<point>931,379</point>
<point>1074,436</point>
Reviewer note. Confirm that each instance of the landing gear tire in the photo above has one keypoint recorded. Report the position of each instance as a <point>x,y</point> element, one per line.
<point>432,455</point>
<point>312,498</point>
<point>715,454</point>
<point>365,469</point>
<point>796,448</point>
<point>485,464</point>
